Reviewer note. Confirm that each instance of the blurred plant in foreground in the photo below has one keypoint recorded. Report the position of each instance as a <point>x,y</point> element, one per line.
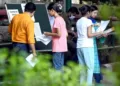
<point>17,71</point>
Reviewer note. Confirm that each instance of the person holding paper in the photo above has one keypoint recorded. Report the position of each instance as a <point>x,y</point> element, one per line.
<point>59,36</point>
<point>21,29</point>
<point>85,45</point>
<point>97,75</point>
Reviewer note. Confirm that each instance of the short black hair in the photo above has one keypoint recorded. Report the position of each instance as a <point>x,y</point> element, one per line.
<point>73,10</point>
<point>58,0</point>
<point>93,8</point>
<point>84,9</point>
<point>30,7</point>
<point>55,6</point>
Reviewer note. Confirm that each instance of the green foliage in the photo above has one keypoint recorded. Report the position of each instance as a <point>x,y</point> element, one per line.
<point>111,76</point>
<point>18,72</point>
<point>105,11</point>
<point>116,25</point>
<point>117,11</point>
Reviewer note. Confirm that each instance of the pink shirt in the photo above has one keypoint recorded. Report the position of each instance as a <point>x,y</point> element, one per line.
<point>59,44</point>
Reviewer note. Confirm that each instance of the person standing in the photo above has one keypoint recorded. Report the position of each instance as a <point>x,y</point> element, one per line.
<point>59,36</point>
<point>97,75</point>
<point>71,18</point>
<point>85,47</point>
<point>21,29</point>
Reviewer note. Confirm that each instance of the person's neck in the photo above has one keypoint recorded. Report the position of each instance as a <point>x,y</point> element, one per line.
<point>85,16</point>
<point>28,13</point>
<point>57,15</point>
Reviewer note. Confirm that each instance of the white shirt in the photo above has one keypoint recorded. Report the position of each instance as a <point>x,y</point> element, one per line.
<point>51,19</point>
<point>82,26</point>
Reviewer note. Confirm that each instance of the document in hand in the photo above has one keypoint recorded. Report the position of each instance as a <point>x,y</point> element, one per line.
<point>109,30</point>
<point>31,61</point>
<point>103,26</point>
<point>44,39</point>
<point>41,37</point>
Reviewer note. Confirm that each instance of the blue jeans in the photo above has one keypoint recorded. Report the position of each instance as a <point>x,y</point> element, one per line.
<point>20,47</point>
<point>86,58</point>
<point>58,60</point>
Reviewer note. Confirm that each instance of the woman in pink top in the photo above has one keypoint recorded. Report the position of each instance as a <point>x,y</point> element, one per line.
<point>59,35</point>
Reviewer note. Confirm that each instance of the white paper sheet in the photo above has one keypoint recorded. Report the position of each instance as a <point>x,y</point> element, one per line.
<point>44,39</point>
<point>30,61</point>
<point>108,31</point>
<point>37,31</point>
<point>103,26</point>
<point>23,9</point>
<point>12,13</point>
<point>39,36</point>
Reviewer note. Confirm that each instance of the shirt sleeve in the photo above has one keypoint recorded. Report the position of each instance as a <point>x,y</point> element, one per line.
<point>56,24</point>
<point>30,32</point>
<point>89,23</point>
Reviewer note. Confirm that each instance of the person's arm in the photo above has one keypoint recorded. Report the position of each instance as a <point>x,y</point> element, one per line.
<point>66,33</point>
<point>10,29</point>
<point>72,33</point>
<point>90,34</point>
<point>32,46</point>
<point>30,36</point>
<point>56,28</point>
<point>57,34</point>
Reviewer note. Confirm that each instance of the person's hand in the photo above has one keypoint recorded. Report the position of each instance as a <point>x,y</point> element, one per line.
<point>100,34</point>
<point>73,33</point>
<point>46,33</point>
<point>105,35</point>
<point>113,18</point>
<point>97,24</point>
<point>34,56</point>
